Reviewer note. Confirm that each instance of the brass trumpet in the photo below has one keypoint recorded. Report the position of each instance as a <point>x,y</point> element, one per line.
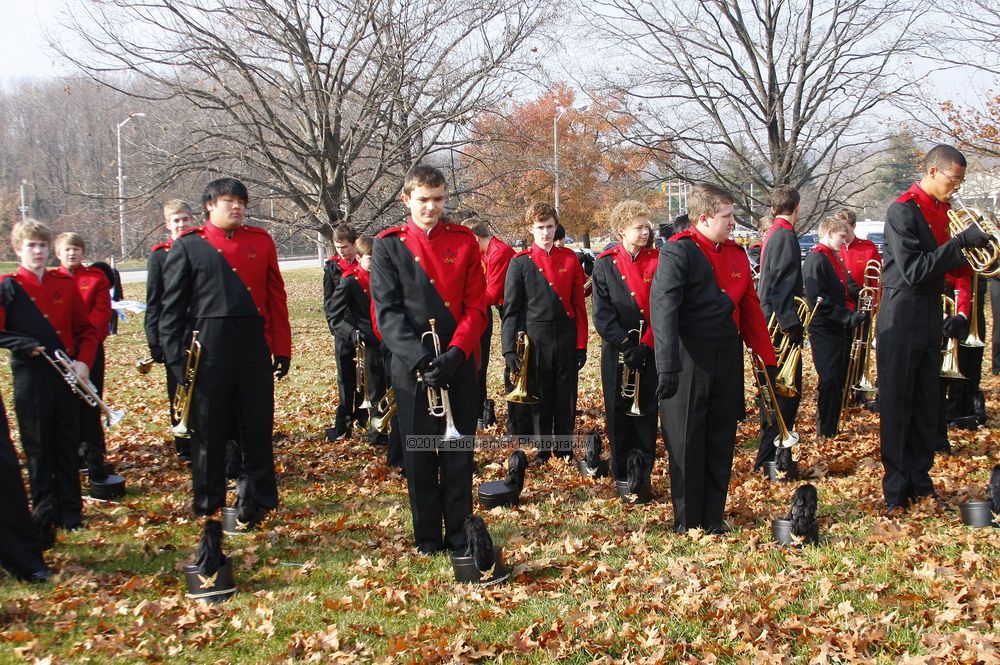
<point>983,261</point>
<point>519,393</point>
<point>185,392</point>
<point>361,372</point>
<point>857,366</point>
<point>85,390</point>
<point>788,363</point>
<point>949,360</point>
<point>386,409</point>
<point>438,404</point>
<point>769,403</point>
<point>974,340</point>
<point>630,378</point>
<point>145,365</point>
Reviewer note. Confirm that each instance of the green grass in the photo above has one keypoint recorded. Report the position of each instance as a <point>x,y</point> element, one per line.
<point>333,575</point>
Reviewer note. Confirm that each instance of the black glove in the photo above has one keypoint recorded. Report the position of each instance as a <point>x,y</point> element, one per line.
<point>629,343</point>
<point>857,319</point>
<point>973,237</point>
<point>795,334</point>
<point>513,362</point>
<point>361,335</point>
<point>636,357</point>
<point>281,366</point>
<point>581,359</point>
<point>772,374</point>
<point>156,353</point>
<point>178,372</point>
<point>956,327</point>
<point>442,369</point>
<point>666,386</point>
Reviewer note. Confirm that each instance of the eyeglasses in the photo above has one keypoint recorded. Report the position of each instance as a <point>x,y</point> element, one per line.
<point>955,182</point>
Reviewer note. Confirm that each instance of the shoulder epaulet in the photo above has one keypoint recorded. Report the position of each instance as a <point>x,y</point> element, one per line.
<point>392,230</point>
<point>731,243</point>
<point>458,228</point>
<point>608,252</point>
<point>256,229</point>
<point>198,230</point>
<point>163,245</point>
<point>521,253</point>
<point>55,272</point>
<point>680,236</point>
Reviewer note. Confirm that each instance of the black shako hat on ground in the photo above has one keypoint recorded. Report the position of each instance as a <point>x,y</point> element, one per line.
<point>506,492</point>
<point>593,465</point>
<point>482,563</point>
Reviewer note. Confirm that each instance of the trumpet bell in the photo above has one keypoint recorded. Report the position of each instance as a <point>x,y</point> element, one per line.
<point>949,366</point>
<point>973,342</point>
<point>520,395</point>
<point>786,441</point>
<point>114,417</point>
<point>634,410</point>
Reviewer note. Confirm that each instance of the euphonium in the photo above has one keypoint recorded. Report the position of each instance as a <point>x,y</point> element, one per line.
<point>630,377</point>
<point>145,365</point>
<point>185,393</point>
<point>769,403</point>
<point>788,363</point>
<point>519,393</point>
<point>982,260</point>
<point>361,372</point>
<point>779,339</point>
<point>85,390</point>
<point>438,404</point>
<point>386,409</point>
<point>949,360</point>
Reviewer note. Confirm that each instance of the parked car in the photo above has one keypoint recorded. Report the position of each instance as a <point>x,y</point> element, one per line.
<point>806,242</point>
<point>878,239</point>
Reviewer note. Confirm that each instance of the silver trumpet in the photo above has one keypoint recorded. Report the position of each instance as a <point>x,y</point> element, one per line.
<point>438,404</point>
<point>85,390</point>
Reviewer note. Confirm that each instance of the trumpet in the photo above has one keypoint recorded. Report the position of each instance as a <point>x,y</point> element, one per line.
<point>438,404</point>
<point>361,372</point>
<point>185,392</point>
<point>519,393</point>
<point>974,340</point>
<point>788,363</point>
<point>769,403</point>
<point>630,378</point>
<point>145,365</point>
<point>85,390</point>
<point>983,261</point>
<point>949,359</point>
<point>386,409</point>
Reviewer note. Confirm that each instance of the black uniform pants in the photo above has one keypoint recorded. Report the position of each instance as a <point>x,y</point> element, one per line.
<point>995,307</point>
<point>347,387</point>
<point>909,363</point>
<point>234,381</point>
<point>91,425</point>
<point>700,429</point>
<point>555,379</point>
<point>829,350</point>
<point>19,549</point>
<point>627,433</point>
<point>484,356</point>
<point>439,482</point>
<point>48,418</point>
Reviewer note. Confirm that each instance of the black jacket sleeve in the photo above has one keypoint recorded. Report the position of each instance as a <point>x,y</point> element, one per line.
<point>394,322</point>
<point>154,297</point>
<point>343,323</point>
<point>514,305</point>
<point>821,281</point>
<point>606,320</point>
<point>783,257</point>
<point>665,301</point>
<point>177,290</point>
<point>914,261</point>
<point>331,278</point>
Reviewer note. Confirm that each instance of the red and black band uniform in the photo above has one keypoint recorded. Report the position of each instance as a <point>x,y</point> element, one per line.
<point>918,253</point>
<point>394,452</point>
<point>830,330</point>
<point>20,549</point>
<point>227,286</point>
<point>50,313</point>
<point>958,286</point>
<point>349,408</point>
<point>780,283</point>
<point>496,259</point>
<point>154,305</point>
<point>856,255</point>
<point>966,404</point>
<point>621,288</point>
<point>703,304</point>
<point>543,296</point>
<point>418,276</point>
<point>95,291</point>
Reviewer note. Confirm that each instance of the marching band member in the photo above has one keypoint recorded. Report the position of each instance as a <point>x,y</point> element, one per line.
<point>918,252</point>
<point>222,279</point>
<point>623,276</point>
<point>831,327</point>
<point>42,313</point>
<point>857,253</point>
<point>428,270</point>
<point>349,408</point>
<point>703,302</point>
<point>543,297</point>
<point>177,217</point>
<point>780,283</point>
<point>496,258</point>
<point>95,291</point>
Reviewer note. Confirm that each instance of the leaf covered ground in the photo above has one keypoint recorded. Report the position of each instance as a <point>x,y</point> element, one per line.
<point>333,577</point>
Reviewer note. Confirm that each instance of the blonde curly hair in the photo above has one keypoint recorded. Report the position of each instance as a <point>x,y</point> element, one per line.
<point>625,213</point>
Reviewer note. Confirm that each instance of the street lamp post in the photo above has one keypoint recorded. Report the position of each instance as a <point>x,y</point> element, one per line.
<point>24,203</point>
<point>555,146</point>
<point>121,181</point>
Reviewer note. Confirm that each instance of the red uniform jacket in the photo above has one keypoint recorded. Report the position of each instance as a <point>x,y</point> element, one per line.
<point>95,291</point>
<point>562,270</point>
<point>59,303</point>
<point>496,261</point>
<point>637,274</point>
